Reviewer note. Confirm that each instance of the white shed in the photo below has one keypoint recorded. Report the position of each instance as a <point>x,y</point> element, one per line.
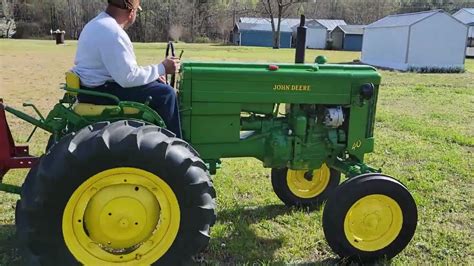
<point>466,15</point>
<point>431,39</point>
<point>319,30</point>
<point>316,35</point>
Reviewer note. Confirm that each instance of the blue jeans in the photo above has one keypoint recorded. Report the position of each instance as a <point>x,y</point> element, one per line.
<point>163,100</point>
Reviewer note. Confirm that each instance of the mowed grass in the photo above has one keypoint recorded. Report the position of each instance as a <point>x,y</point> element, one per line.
<point>424,137</point>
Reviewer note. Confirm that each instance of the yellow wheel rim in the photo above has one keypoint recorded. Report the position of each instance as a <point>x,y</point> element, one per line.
<point>121,216</point>
<point>304,188</point>
<point>373,222</point>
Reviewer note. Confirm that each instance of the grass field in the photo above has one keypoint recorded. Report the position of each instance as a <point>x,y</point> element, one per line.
<point>424,137</point>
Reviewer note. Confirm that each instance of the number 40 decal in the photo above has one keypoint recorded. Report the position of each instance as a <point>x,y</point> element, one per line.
<point>356,145</point>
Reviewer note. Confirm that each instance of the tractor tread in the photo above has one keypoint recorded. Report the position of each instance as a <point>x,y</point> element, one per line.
<point>103,146</point>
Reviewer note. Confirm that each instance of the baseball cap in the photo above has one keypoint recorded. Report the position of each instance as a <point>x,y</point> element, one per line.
<point>126,4</point>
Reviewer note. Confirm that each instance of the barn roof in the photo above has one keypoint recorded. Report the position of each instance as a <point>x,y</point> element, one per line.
<point>401,20</point>
<point>469,19</point>
<point>468,10</point>
<point>261,27</point>
<point>352,29</point>
<point>254,20</point>
<point>289,22</point>
<point>331,24</point>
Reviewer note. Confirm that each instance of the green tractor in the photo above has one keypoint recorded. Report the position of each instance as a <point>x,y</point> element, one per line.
<point>115,186</point>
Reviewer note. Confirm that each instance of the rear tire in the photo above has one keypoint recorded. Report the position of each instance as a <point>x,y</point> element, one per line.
<point>131,172</point>
<point>294,190</point>
<point>369,217</point>
<point>50,143</point>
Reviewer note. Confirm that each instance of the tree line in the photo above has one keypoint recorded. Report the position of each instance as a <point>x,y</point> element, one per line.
<point>200,20</point>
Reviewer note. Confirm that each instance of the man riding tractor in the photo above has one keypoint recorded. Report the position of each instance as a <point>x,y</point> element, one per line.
<point>105,62</point>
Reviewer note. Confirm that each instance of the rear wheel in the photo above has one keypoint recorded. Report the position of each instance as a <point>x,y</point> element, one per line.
<point>369,217</point>
<point>50,143</point>
<point>121,193</point>
<point>302,188</point>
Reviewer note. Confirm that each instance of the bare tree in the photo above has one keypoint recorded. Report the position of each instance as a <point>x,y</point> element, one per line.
<point>201,19</point>
<point>278,9</point>
<point>74,17</point>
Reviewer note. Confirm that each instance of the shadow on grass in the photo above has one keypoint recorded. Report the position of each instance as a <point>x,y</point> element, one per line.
<point>242,245</point>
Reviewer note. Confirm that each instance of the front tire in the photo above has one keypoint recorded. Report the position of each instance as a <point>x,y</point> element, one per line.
<point>294,189</point>
<point>117,193</point>
<point>369,217</point>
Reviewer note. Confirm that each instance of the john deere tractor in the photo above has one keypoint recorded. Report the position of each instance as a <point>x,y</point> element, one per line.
<point>115,186</point>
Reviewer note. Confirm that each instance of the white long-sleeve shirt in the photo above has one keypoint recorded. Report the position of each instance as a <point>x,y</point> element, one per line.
<point>105,53</point>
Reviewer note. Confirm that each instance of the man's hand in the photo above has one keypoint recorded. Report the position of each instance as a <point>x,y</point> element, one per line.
<point>172,65</point>
<point>162,79</point>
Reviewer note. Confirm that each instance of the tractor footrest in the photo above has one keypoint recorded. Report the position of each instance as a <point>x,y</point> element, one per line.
<point>22,151</point>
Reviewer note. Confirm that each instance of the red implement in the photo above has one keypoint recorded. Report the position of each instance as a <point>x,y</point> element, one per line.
<point>11,156</point>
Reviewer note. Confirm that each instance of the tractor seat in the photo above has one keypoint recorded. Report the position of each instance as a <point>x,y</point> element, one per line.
<point>87,109</point>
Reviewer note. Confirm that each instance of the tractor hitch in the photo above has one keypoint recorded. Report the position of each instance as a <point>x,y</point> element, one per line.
<point>11,156</point>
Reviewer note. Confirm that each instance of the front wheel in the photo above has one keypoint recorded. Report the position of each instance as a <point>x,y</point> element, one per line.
<point>369,217</point>
<point>302,188</point>
<point>120,193</point>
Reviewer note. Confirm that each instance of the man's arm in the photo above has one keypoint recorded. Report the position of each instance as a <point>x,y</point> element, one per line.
<point>119,59</point>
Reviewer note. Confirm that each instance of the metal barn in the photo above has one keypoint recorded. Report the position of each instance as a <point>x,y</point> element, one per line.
<point>466,16</point>
<point>423,40</point>
<point>348,37</point>
<point>317,34</point>
<point>292,23</point>
<point>255,34</point>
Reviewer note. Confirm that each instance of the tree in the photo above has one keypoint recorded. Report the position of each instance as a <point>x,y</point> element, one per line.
<point>74,18</point>
<point>278,8</point>
<point>193,20</point>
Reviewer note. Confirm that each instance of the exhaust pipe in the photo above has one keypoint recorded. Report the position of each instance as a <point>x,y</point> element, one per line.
<point>301,41</point>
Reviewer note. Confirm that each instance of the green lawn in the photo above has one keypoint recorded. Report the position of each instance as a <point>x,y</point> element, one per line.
<point>424,137</point>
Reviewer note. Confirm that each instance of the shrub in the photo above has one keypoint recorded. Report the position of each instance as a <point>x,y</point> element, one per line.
<point>202,39</point>
<point>436,69</point>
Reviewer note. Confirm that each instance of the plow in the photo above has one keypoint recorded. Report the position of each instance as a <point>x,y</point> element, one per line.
<point>115,186</point>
